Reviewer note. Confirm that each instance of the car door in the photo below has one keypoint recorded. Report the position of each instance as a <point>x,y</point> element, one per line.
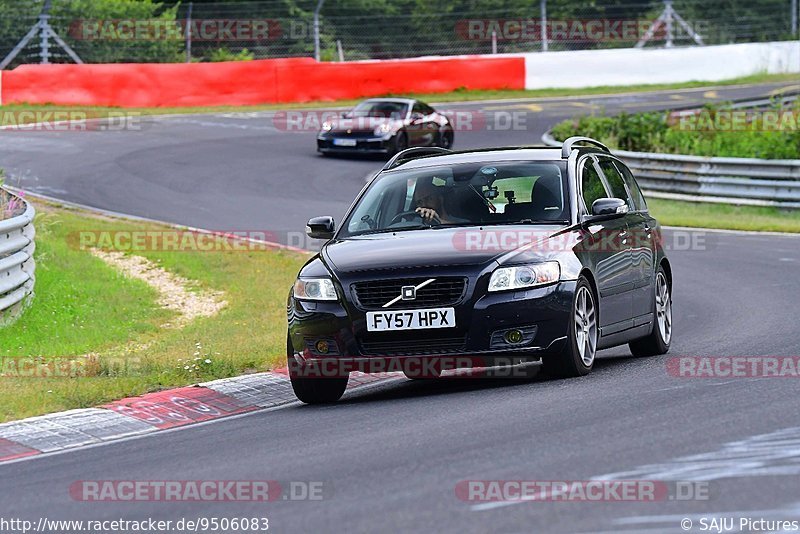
<point>642,227</point>
<point>423,126</point>
<point>609,251</point>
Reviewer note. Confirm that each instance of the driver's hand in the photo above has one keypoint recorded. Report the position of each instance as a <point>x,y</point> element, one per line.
<point>428,215</point>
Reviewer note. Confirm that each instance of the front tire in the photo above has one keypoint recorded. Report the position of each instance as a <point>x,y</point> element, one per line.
<point>660,338</point>
<point>310,384</point>
<point>577,358</point>
<point>426,372</point>
<point>445,139</point>
<point>400,143</point>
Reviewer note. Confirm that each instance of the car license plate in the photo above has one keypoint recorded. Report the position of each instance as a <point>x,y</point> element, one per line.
<point>344,142</point>
<point>411,319</point>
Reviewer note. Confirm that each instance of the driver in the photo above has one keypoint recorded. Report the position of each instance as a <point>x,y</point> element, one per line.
<point>429,202</point>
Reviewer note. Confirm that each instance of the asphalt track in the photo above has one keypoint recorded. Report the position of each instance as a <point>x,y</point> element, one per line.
<point>391,456</point>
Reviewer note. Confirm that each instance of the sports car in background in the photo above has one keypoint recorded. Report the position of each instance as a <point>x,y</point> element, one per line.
<point>385,126</point>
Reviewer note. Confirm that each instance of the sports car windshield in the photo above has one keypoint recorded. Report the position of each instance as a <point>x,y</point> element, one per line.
<point>394,110</point>
<point>462,195</point>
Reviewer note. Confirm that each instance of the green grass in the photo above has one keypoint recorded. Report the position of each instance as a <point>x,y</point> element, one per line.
<point>724,216</point>
<point>83,306</point>
<point>453,96</point>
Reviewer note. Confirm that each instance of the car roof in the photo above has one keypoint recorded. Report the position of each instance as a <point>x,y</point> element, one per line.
<point>484,156</point>
<point>399,100</point>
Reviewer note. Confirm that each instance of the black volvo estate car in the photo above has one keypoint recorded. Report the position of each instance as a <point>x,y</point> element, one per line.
<point>535,253</point>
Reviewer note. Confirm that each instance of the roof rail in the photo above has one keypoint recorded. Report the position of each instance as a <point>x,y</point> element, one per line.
<point>413,153</point>
<point>566,148</point>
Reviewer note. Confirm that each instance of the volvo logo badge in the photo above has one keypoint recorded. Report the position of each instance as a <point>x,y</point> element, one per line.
<point>408,293</point>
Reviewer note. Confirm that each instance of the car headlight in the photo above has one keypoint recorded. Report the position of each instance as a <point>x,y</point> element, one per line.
<point>525,276</point>
<point>314,289</point>
<point>383,129</point>
<point>327,126</point>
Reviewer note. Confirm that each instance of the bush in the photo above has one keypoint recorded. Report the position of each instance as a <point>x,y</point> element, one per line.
<point>661,132</point>
<point>223,54</point>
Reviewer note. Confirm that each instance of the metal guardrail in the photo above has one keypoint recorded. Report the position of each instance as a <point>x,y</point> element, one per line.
<point>17,266</point>
<point>746,181</point>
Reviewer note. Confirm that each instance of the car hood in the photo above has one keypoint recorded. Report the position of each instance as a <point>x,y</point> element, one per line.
<point>361,124</point>
<point>434,247</point>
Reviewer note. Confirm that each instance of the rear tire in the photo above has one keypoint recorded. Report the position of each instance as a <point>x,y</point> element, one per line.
<point>660,338</point>
<point>309,384</point>
<point>577,358</point>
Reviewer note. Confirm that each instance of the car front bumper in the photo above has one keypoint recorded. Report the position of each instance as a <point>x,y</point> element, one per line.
<point>364,145</point>
<point>480,324</point>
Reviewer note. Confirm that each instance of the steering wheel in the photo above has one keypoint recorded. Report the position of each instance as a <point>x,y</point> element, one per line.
<point>406,215</point>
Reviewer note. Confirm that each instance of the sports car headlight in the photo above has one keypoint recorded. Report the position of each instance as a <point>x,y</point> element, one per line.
<point>383,129</point>
<point>327,126</point>
<point>314,289</point>
<point>524,276</point>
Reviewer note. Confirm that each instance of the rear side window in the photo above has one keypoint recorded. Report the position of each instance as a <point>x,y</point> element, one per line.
<point>591,185</point>
<point>639,202</point>
<point>615,181</point>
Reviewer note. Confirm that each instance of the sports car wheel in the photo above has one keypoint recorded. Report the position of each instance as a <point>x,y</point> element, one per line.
<point>400,143</point>
<point>445,139</point>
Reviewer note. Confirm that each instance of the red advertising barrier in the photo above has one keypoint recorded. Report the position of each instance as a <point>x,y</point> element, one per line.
<point>331,81</point>
<point>252,82</point>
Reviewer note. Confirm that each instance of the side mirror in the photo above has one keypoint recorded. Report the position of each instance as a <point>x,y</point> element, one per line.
<point>609,208</point>
<point>416,117</point>
<point>321,227</point>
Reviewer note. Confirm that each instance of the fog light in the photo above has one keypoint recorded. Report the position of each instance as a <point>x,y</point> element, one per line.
<point>322,346</point>
<point>513,336</point>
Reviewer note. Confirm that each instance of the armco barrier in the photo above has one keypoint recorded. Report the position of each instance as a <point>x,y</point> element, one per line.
<point>746,181</point>
<point>17,265</point>
<point>253,82</point>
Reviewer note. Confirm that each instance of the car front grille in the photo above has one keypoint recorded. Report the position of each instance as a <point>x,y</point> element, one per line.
<point>355,134</point>
<point>373,295</point>
<point>414,347</point>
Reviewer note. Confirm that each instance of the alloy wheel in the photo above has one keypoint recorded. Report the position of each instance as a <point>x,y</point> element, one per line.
<point>585,326</point>
<point>663,308</point>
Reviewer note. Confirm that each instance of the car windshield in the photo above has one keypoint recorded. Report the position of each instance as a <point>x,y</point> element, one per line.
<point>372,108</point>
<point>462,195</point>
